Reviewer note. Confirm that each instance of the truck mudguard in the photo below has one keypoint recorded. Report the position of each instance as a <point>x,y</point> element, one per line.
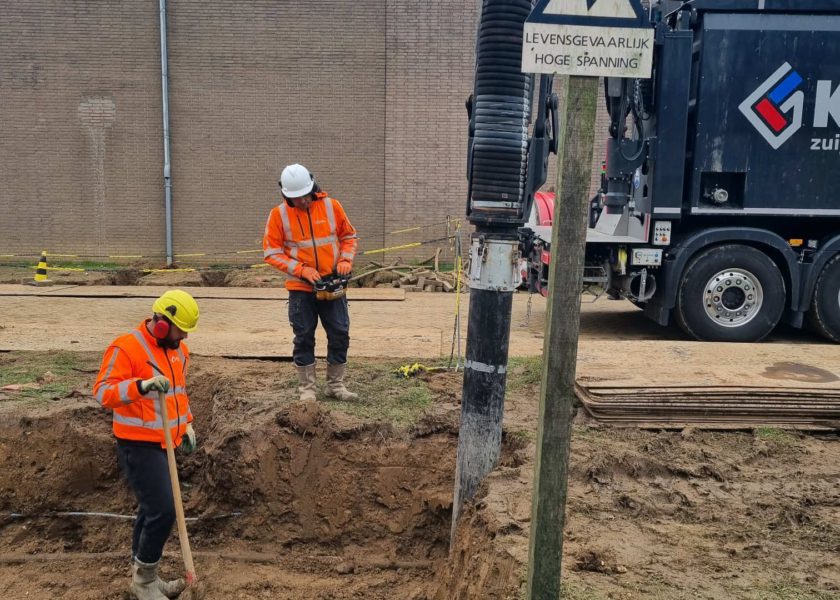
<point>679,256</point>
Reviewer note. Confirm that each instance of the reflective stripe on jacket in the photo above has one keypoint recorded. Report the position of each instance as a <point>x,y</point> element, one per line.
<point>136,416</point>
<point>318,238</point>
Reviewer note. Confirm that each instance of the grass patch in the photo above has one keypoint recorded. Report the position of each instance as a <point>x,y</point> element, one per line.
<point>774,434</point>
<point>655,589</point>
<point>522,435</point>
<point>87,265</point>
<point>523,372</point>
<point>569,591</point>
<point>789,589</point>
<point>384,395</point>
<point>586,433</point>
<point>69,371</point>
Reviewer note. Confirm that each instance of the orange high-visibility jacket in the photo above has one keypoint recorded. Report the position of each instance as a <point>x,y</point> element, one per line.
<point>318,237</point>
<point>136,416</point>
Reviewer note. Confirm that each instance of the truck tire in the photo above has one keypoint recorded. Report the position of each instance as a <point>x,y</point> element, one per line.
<point>730,293</point>
<point>824,316</point>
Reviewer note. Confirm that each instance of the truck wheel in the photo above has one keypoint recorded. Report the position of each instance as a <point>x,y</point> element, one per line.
<point>730,293</point>
<point>824,316</point>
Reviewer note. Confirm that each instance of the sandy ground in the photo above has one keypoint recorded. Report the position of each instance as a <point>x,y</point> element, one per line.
<point>341,507</point>
<point>420,325</point>
<point>248,322</point>
<point>346,503</point>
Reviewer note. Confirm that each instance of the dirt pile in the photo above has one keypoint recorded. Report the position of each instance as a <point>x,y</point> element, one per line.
<point>318,496</point>
<point>691,514</point>
<point>304,476</point>
<point>339,502</point>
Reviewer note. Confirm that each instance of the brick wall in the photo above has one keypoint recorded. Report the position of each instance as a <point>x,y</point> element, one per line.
<point>80,127</point>
<point>258,85</point>
<point>369,94</point>
<point>431,62</point>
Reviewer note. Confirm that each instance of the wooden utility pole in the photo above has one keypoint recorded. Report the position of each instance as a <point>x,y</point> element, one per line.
<point>557,396</point>
<point>626,52</point>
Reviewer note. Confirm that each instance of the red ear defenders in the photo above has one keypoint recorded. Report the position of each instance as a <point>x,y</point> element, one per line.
<point>162,325</point>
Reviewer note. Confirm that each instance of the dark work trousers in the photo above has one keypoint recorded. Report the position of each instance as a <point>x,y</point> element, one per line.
<point>145,467</point>
<point>304,312</point>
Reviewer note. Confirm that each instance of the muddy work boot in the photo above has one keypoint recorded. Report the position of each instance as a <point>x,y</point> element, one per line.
<point>308,385</point>
<point>146,585</point>
<point>171,589</point>
<point>335,384</point>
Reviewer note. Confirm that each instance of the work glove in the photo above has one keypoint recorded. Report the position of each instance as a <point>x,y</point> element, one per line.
<point>188,442</point>
<point>344,267</point>
<point>311,275</point>
<point>159,383</point>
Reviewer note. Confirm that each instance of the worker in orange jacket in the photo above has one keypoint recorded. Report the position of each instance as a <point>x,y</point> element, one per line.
<point>137,366</point>
<point>308,236</point>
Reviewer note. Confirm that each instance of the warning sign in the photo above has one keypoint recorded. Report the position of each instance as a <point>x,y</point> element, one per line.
<point>599,38</point>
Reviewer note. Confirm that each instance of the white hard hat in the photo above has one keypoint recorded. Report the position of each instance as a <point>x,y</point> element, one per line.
<point>296,181</point>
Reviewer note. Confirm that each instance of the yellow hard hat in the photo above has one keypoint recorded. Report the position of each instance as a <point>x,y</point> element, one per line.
<point>180,308</point>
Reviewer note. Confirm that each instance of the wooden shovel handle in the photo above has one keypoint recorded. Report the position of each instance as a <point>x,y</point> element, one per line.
<point>186,552</point>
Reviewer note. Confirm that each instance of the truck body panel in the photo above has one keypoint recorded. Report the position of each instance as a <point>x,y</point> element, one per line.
<point>733,144</point>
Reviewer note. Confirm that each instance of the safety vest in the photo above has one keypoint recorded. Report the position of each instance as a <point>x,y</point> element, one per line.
<point>317,237</point>
<point>137,417</point>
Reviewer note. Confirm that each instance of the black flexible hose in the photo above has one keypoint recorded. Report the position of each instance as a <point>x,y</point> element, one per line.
<point>500,115</point>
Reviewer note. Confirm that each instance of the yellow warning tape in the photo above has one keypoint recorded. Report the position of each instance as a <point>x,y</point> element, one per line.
<point>405,230</point>
<point>412,245</point>
<point>141,270</point>
<point>458,285</point>
<point>150,256</point>
<point>167,270</point>
<point>449,223</point>
<point>59,268</point>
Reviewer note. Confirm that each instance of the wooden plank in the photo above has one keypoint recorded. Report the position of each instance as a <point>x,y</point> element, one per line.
<point>221,293</point>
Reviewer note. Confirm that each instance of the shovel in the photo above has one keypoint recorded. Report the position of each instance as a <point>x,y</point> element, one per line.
<point>195,590</point>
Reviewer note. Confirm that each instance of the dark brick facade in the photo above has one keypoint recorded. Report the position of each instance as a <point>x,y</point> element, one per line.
<point>369,94</point>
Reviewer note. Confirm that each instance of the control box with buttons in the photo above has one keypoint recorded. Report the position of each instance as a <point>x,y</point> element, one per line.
<point>661,233</point>
<point>646,257</point>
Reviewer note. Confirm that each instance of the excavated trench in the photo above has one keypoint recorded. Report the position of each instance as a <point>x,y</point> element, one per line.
<point>292,501</point>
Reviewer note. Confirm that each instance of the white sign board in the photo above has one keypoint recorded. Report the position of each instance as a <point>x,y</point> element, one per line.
<point>598,38</point>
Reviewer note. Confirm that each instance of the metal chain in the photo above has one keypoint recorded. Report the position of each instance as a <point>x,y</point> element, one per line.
<point>527,320</point>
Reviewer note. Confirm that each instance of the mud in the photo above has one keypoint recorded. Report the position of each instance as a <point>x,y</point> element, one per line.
<point>793,371</point>
<point>309,501</point>
<point>314,489</point>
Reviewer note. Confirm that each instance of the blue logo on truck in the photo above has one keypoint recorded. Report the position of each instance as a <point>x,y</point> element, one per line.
<point>775,108</point>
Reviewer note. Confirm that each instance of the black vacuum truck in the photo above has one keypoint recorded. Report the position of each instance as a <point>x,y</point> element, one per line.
<point>718,209</point>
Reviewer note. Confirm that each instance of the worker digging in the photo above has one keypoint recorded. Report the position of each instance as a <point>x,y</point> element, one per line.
<point>309,238</point>
<point>150,360</point>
